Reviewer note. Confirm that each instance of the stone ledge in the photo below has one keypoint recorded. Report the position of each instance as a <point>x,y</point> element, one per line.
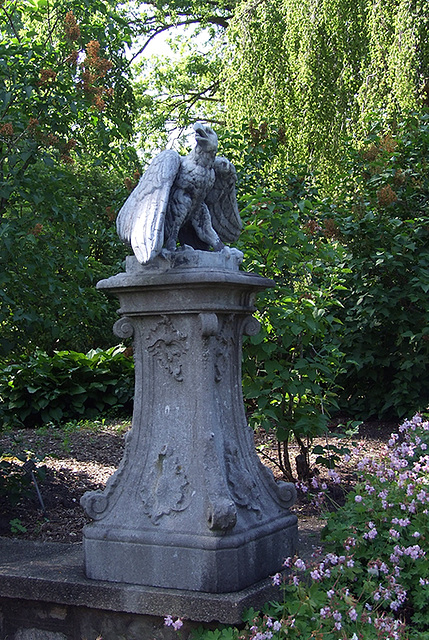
<point>53,573</point>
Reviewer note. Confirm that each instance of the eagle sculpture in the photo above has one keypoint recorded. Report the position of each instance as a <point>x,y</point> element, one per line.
<point>187,199</point>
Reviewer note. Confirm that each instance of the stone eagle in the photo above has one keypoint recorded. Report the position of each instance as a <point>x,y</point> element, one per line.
<point>190,199</point>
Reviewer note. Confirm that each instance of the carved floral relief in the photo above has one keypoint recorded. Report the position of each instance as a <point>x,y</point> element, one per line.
<point>168,345</point>
<point>166,488</point>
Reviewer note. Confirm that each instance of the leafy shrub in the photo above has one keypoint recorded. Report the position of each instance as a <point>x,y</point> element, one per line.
<point>51,255</point>
<point>15,482</point>
<point>372,582</point>
<point>381,216</point>
<point>290,367</point>
<point>63,160</point>
<point>384,523</point>
<point>318,603</point>
<point>66,386</point>
<point>352,274</point>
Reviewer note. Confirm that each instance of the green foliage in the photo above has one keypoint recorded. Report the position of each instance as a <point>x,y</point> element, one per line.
<point>384,522</point>
<point>185,85</point>
<point>221,633</point>
<point>51,256</point>
<point>318,68</point>
<point>16,526</point>
<point>15,482</point>
<point>66,386</point>
<point>63,89</point>
<point>66,110</point>
<point>372,580</point>
<point>324,609</point>
<point>381,217</point>
<point>352,276</point>
<point>290,367</point>
<point>174,91</point>
<point>330,455</point>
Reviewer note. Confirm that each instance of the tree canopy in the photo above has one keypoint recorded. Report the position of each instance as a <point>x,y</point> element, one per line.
<point>66,111</point>
<point>290,86</point>
<point>319,68</point>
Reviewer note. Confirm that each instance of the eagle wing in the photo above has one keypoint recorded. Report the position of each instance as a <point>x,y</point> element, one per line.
<point>222,202</point>
<point>140,221</point>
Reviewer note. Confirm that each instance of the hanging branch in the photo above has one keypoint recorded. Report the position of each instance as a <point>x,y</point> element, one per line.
<point>222,22</point>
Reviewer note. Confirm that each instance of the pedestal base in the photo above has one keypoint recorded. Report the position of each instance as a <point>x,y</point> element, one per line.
<point>191,506</point>
<point>194,563</point>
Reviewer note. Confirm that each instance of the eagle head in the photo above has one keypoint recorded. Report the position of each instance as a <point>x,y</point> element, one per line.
<point>205,137</point>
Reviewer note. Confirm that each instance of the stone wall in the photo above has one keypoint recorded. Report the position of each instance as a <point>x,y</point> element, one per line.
<point>36,620</point>
<point>45,595</point>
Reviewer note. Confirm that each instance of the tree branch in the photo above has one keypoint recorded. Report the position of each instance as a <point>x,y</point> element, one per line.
<point>222,22</point>
<point>210,3</point>
<point>12,26</point>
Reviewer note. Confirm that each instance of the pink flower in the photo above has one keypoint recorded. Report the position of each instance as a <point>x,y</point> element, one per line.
<point>353,614</point>
<point>336,478</point>
<point>302,487</point>
<point>176,624</point>
<point>414,552</point>
<point>358,498</point>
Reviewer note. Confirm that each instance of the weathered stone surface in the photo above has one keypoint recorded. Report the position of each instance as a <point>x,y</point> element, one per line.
<point>38,634</point>
<point>191,506</point>
<point>187,198</point>
<point>50,574</point>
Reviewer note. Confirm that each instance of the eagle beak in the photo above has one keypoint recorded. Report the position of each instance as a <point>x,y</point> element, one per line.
<point>200,132</point>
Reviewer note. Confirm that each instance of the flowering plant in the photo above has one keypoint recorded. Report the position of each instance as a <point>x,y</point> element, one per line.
<point>384,523</point>
<point>373,580</point>
<point>332,598</point>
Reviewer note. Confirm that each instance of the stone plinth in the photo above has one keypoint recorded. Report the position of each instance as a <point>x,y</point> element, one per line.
<point>191,506</point>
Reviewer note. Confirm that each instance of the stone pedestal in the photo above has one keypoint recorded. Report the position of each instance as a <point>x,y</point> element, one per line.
<point>191,506</point>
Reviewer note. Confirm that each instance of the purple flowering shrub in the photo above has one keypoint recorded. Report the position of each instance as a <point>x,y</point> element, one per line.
<point>319,604</point>
<point>384,524</point>
<point>371,582</point>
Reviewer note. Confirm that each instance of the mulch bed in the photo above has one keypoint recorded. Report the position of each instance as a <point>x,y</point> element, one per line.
<point>72,462</point>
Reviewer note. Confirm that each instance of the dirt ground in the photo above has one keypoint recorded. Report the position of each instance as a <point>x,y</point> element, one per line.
<point>70,462</point>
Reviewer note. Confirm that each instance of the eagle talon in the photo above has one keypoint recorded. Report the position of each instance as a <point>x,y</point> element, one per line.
<point>219,246</point>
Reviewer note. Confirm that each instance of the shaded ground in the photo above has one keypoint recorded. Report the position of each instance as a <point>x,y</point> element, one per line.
<point>71,462</point>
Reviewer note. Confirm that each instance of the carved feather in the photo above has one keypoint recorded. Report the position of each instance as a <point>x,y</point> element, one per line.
<point>174,198</point>
<point>140,221</point>
<point>222,202</point>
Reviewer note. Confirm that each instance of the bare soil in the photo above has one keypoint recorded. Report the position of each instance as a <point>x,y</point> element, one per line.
<point>70,462</point>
